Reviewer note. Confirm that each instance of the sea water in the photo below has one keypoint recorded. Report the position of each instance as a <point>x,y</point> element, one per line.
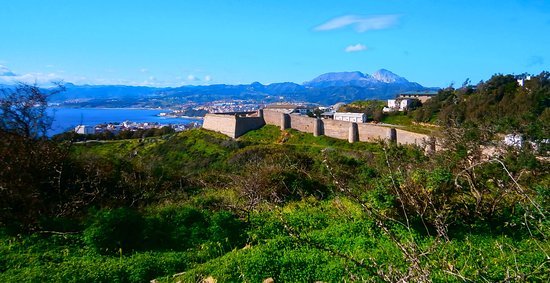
<point>65,119</point>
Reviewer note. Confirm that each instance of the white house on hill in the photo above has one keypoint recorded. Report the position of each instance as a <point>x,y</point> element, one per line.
<point>399,104</point>
<point>351,117</point>
<point>405,99</point>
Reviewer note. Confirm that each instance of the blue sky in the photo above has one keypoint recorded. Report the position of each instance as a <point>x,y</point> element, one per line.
<point>170,43</point>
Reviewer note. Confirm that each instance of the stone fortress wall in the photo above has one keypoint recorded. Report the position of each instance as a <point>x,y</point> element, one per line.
<point>237,124</point>
<point>225,124</point>
<point>233,124</point>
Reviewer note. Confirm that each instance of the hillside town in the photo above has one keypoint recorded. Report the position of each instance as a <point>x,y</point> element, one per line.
<point>116,128</point>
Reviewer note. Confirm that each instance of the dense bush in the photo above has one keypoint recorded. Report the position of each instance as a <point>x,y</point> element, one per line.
<point>123,230</point>
<point>227,230</point>
<point>115,231</point>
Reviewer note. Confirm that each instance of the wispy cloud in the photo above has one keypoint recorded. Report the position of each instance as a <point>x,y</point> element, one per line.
<point>360,23</point>
<point>356,48</point>
<point>192,78</point>
<point>9,77</point>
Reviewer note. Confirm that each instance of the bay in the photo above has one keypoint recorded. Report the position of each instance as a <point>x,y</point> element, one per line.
<point>65,119</point>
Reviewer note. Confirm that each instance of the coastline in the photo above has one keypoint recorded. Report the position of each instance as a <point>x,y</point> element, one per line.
<point>182,117</point>
<point>66,118</point>
<point>132,108</point>
<point>111,108</point>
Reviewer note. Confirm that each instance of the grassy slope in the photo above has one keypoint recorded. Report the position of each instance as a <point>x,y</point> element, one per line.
<point>348,234</point>
<point>337,224</point>
<point>408,124</point>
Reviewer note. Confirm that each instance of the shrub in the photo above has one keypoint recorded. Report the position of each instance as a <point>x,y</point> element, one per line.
<point>227,229</point>
<point>116,230</point>
<point>176,228</point>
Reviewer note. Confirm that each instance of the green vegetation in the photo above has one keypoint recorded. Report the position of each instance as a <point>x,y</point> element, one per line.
<point>279,204</point>
<point>497,105</point>
<point>373,108</point>
<point>107,135</point>
<point>398,119</point>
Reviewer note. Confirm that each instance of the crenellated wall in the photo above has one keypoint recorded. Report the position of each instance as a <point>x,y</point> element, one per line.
<point>235,125</point>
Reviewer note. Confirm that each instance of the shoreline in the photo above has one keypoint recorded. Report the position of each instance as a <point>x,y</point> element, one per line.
<point>133,108</point>
<point>111,108</point>
<point>182,117</point>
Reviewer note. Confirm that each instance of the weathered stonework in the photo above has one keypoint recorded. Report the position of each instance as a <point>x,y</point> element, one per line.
<point>233,124</point>
<point>353,133</point>
<point>236,124</point>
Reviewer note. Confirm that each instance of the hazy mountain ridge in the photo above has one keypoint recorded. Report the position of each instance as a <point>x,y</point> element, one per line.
<point>327,88</point>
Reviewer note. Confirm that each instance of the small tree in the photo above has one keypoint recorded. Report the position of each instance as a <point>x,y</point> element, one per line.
<point>31,167</point>
<point>23,110</point>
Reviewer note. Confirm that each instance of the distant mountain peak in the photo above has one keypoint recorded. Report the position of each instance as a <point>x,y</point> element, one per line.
<point>339,76</point>
<point>355,78</point>
<point>386,76</point>
<point>377,79</point>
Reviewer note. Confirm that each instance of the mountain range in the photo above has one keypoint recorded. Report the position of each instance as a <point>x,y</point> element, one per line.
<point>325,89</point>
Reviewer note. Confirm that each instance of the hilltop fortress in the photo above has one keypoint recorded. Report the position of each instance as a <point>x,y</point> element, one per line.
<point>236,124</point>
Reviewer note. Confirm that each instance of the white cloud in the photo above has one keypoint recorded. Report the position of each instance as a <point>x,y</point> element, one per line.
<point>356,48</point>
<point>192,78</point>
<point>45,79</point>
<point>9,77</point>
<point>359,23</point>
<point>143,70</point>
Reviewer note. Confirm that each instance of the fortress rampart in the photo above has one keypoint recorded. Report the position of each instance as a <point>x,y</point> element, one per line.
<point>233,124</point>
<point>237,124</point>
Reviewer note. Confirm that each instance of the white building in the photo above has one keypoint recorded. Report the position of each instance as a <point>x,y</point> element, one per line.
<point>84,130</point>
<point>521,82</point>
<point>397,105</point>
<point>351,117</point>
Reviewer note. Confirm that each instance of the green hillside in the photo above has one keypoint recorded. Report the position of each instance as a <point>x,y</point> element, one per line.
<point>282,205</point>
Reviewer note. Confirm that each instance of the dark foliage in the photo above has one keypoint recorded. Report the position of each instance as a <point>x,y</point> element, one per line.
<point>499,105</point>
<point>23,110</point>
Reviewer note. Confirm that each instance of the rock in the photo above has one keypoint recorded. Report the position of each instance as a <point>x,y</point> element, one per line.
<point>269,280</point>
